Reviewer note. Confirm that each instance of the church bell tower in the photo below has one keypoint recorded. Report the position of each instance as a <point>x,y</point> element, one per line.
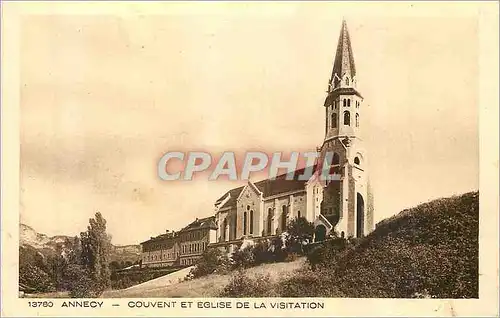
<point>347,203</point>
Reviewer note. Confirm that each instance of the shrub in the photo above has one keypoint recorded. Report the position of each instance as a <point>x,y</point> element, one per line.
<point>325,253</point>
<point>262,253</point>
<point>300,232</point>
<point>278,250</point>
<point>80,283</point>
<point>34,277</point>
<point>243,258</point>
<point>241,285</point>
<point>212,260</point>
<point>308,283</point>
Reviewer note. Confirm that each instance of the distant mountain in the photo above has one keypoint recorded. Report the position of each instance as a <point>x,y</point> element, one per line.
<point>44,244</point>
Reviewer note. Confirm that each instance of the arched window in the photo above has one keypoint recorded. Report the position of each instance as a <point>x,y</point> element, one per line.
<point>334,120</point>
<point>357,120</point>
<point>270,221</point>
<point>298,215</point>
<point>283,217</point>
<point>345,103</point>
<point>245,223</point>
<point>349,102</point>
<point>224,228</point>
<point>335,103</point>
<point>347,118</point>
<point>356,160</point>
<point>335,159</point>
<point>251,221</point>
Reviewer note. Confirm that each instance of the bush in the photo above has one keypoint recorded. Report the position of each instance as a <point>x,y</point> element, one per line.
<point>34,277</point>
<point>262,253</point>
<point>80,283</point>
<point>241,285</point>
<point>325,253</point>
<point>243,258</point>
<point>212,260</point>
<point>307,283</point>
<point>300,232</point>
<point>278,250</point>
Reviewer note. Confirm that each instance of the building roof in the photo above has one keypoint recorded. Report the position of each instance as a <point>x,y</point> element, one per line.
<point>344,59</point>
<point>268,187</point>
<point>208,222</point>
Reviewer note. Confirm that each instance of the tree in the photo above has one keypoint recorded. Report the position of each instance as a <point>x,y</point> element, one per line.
<point>95,252</point>
<point>300,232</point>
<point>57,267</point>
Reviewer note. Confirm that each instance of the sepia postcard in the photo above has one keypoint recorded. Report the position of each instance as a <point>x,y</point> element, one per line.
<point>249,159</point>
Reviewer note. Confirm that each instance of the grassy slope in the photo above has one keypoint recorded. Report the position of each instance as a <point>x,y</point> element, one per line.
<point>211,285</point>
<point>432,247</point>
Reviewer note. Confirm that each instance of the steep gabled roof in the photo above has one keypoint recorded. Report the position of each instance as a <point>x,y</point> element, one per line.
<point>269,187</point>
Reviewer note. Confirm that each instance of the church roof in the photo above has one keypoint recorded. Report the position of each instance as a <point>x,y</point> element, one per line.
<point>344,60</point>
<point>268,187</point>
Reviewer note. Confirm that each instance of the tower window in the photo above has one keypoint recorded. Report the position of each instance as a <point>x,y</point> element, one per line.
<point>334,120</point>
<point>298,215</point>
<point>335,159</point>
<point>347,118</point>
<point>349,102</point>
<point>347,80</point>
<point>357,120</point>
<point>345,103</point>
<point>335,103</point>
<point>356,160</point>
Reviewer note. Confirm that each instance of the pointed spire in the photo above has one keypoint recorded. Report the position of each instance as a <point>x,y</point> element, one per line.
<point>344,60</point>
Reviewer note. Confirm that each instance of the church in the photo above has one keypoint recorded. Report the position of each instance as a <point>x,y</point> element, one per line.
<point>263,209</point>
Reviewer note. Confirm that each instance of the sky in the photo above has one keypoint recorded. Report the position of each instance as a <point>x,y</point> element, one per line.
<point>103,97</point>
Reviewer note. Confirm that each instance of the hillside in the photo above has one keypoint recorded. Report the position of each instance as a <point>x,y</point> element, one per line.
<point>432,247</point>
<point>427,251</point>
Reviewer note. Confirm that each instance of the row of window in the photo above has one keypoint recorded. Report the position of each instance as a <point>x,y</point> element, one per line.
<point>346,102</point>
<point>347,119</point>
<point>191,236</point>
<point>188,261</point>
<point>193,247</point>
<point>161,257</point>
<point>157,247</point>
